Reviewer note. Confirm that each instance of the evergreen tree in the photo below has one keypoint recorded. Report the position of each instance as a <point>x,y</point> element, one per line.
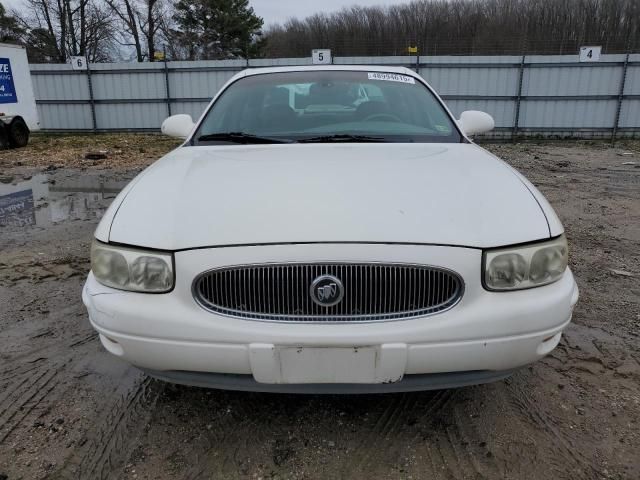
<point>10,30</point>
<point>215,29</point>
<point>41,46</point>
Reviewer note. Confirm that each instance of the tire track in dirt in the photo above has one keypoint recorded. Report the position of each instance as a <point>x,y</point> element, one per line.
<point>255,433</point>
<point>34,376</point>
<point>436,405</point>
<point>45,374</point>
<point>11,375</point>
<point>258,433</point>
<point>387,441</point>
<point>252,423</point>
<point>451,441</point>
<point>104,453</point>
<point>87,339</point>
<point>208,464</point>
<point>467,447</point>
<point>432,433</point>
<point>27,383</point>
<point>27,393</point>
<point>562,453</point>
<point>362,453</point>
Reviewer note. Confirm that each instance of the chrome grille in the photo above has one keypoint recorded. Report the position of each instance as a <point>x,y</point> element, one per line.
<point>372,292</point>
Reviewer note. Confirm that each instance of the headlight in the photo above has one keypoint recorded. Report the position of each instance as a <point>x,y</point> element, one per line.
<point>132,269</point>
<point>525,267</point>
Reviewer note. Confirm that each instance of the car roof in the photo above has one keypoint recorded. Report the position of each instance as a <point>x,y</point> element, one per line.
<point>324,68</point>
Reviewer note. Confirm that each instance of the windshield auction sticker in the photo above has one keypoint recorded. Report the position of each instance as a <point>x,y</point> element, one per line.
<point>391,77</point>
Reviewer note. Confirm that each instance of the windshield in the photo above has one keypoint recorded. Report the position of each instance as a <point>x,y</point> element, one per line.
<point>325,106</point>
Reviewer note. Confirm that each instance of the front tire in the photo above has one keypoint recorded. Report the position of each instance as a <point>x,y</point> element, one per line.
<point>4,137</point>
<point>18,133</point>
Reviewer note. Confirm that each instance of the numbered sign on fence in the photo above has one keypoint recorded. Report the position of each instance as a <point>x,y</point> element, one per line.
<point>590,54</point>
<point>321,57</point>
<point>79,63</point>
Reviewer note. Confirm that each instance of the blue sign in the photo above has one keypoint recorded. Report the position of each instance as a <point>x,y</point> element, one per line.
<point>7,88</point>
<point>16,209</point>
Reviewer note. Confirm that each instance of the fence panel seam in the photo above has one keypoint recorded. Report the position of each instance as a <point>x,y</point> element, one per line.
<point>92,103</point>
<point>623,82</point>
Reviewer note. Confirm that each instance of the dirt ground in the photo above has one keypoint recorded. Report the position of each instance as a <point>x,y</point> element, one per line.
<point>70,410</point>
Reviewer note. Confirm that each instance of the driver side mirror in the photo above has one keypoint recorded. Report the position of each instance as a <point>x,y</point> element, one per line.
<point>179,126</point>
<point>474,122</point>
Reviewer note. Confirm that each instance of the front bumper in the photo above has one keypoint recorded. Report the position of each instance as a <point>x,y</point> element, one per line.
<point>410,383</point>
<point>489,333</point>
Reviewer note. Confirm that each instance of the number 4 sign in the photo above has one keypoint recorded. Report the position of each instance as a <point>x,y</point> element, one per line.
<point>590,54</point>
<point>79,63</point>
<point>321,57</point>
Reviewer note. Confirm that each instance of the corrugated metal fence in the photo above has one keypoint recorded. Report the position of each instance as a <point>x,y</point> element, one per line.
<point>527,95</point>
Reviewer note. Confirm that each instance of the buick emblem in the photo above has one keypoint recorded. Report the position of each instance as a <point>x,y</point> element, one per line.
<point>326,291</point>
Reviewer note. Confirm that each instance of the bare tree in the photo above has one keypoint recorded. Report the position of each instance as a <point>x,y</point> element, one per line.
<point>198,29</point>
<point>141,22</point>
<point>151,25</point>
<point>463,27</point>
<point>58,29</point>
<point>126,12</point>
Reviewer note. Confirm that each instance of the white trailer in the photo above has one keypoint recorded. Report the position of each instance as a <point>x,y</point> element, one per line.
<point>18,112</point>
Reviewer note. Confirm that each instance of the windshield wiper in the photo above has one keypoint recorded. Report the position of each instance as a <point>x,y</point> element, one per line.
<point>240,137</point>
<point>342,138</point>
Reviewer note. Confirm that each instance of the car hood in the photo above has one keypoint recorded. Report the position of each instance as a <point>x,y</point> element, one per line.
<point>449,194</point>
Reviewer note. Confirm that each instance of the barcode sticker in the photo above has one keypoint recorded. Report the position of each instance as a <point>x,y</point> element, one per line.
<point>391,77</point>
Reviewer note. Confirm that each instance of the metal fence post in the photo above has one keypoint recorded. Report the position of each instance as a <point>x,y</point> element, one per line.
<point>516,120</point>
<point>623,81</point>
<point>92,102</point>
<point>166,84</point>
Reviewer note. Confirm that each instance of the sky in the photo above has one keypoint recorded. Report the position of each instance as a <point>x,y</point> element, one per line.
<point>277,11</point>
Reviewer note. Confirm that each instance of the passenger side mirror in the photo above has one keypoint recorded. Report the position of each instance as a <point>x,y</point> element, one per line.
<point>178,126</point>
<point>474,122</point>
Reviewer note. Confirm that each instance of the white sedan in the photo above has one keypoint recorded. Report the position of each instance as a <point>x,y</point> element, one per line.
<point>329,229</point>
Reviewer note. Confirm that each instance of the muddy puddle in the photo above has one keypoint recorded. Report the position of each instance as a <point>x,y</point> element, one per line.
<point>41,200</point>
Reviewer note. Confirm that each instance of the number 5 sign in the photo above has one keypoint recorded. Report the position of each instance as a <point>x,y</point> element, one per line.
<point>590,54</point>
<point>321,57</point>
<point>79,63</point>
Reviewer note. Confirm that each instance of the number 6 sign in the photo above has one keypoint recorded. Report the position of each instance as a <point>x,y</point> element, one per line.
<point>79,63</point>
